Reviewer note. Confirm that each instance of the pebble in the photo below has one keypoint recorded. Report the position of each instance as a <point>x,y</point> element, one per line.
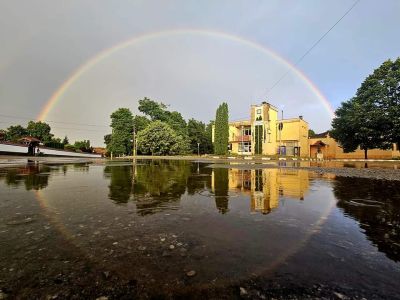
<point>166,254</point>
<point>339,295</point>
<point>162,239</point>
<point>102,298</point>
<point>243,291</point>
<point>191,273</point>
<point>172,247</point>
<point>141,248</point>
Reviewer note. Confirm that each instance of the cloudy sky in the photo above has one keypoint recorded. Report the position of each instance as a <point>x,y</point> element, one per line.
<point>191,55</point>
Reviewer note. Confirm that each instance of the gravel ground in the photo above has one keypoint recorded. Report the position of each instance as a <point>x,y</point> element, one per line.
<point>380,174</point>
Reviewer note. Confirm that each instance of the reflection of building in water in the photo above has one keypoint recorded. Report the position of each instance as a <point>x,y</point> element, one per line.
<point>265,186</point>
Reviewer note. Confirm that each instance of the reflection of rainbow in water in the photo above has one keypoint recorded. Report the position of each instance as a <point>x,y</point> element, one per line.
<point>55,98</point>
<point>52,216</point>
<point>265,187</point>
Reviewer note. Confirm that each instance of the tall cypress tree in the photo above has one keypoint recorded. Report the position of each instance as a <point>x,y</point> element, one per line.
<point>221,134</point>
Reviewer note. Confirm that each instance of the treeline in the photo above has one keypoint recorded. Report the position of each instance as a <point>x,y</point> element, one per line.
<point>371,119</point>
<point>158,131</point>
<point>42,131</point>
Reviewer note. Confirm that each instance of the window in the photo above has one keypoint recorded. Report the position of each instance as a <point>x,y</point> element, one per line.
<point>246,131</point>
<point>244,147</point>
<point>259,111</point>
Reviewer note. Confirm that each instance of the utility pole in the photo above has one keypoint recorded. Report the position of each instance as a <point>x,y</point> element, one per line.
<point>198,149</point>
<point>134,140</point>
<point>280,127</point>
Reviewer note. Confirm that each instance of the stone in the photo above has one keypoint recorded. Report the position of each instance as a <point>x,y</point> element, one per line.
<point>191,273</point>
<point>106,274</point>
<point>141,248</point>
<point>172,247</point>
<point>339,295</point>
<point>102,298</point>
<point>166,254</point>
<point>243,291</point>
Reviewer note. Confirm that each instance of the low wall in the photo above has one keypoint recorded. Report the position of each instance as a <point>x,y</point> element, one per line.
<point>21,149</point>
<point>13,148</point>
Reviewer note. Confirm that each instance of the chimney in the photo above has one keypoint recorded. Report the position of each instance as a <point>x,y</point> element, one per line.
<point>301,117</point>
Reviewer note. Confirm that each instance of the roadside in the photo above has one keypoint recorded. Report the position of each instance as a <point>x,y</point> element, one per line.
<point>382,170</point>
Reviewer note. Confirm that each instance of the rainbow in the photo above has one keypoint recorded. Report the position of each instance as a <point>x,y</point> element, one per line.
<point>54,99</point>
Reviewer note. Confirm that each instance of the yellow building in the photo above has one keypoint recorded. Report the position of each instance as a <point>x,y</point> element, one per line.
<point>264,186</point>
<point>323,146</point>
<point>261,135</point>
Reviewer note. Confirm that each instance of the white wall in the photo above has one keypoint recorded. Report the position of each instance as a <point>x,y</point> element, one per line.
<point>54,152</point>
<point>24,149</point>
<point>13,148</point>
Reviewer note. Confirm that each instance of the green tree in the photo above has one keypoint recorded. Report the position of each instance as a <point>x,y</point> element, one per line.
<point>311,132</point>
<point>140,123</point>
<point>159,111</point>
<point>40,130</point>
<point>381,90</point>
<point>155,110</point>
<point>221,134</point>
<point>158,138</point>
<point>65,140</point>
<point>209,147</point>
<point>198,135</point>
<point>122,132</point>
<point>14,133</point>
<point>83,146</point>
<point>359,124</point>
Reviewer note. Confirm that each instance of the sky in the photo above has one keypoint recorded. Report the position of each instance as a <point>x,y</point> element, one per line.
<point>92,57</point>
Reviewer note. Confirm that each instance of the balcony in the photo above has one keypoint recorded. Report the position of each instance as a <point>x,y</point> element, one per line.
<point>241,138</point>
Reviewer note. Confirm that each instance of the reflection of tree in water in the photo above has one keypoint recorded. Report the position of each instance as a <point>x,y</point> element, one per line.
<point>376,205</point>
<point>120,187</point>
<point>221,189</point>
<point>200,178</point>
<point>155,184</point>
<point>159,184</point>
<point>33,177</point>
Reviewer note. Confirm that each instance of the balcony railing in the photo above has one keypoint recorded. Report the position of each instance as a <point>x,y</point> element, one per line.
<point>241,138</point>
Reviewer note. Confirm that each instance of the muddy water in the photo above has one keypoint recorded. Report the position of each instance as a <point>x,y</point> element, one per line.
<point>178,228</point>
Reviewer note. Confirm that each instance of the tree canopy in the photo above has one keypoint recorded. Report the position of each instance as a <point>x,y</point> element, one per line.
<point>158,138</point>
<point>221,133</point>
<point>122,132</point>
<point>371,119</point>
<point>15,132</point>
<point>159,111</point>
<point>198,135</point>
<point>40,130</point>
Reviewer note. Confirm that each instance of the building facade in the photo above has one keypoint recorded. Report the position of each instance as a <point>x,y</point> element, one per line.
<point>266,134</point>
<point>323,146</point>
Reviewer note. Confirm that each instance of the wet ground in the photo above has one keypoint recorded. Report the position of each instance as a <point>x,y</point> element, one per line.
<point>178,229</point>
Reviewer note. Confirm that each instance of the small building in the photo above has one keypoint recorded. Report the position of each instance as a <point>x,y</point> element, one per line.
<point>31,142</point>
<point>323,146</point>
<point>265,134</point>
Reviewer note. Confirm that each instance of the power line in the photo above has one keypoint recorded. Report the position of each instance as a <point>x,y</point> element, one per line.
<point>313,46</point>
<point>68,128</point>
<point>49,121</point>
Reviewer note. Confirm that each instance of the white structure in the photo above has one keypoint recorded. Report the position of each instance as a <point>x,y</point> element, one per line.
<point>22,149</point>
